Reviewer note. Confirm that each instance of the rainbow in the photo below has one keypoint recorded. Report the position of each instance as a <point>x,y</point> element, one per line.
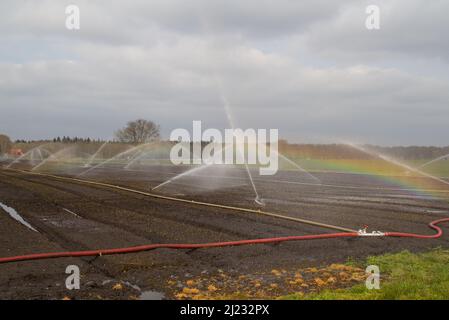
<point>382,171</point>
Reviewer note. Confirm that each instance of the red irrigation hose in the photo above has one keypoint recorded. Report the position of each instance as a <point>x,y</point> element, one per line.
<point>105,252</point>
<point>432,225</point>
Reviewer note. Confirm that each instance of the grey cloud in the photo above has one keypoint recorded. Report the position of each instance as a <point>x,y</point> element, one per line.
<point>117,20</point>
<point>407,28</point>
<point>171,60</point>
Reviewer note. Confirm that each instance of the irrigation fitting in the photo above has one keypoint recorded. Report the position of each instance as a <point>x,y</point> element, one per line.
<point>364,233</point>
<point>259,201</point>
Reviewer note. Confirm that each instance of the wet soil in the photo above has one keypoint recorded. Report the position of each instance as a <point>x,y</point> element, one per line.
<point>74,216</point>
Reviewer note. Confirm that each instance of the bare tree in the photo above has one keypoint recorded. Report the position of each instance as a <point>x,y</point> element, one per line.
<point>138,131</point>
<point>5,144</point>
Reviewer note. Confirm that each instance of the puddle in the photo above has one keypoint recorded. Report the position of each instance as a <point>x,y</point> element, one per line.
<point>406,196</point>
<point>437,211</point>
<point>135,287</point>
<point>71,212</point>
<point>79,224</point>
<point>151,295</point>
<point>144,295</point>
<point>13,214</point>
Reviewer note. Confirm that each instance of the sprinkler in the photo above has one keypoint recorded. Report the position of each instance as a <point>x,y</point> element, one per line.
<point>259,201</point>
<point>162,184</point>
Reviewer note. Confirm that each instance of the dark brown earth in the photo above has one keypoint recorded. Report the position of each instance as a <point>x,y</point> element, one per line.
<point>107,218</point>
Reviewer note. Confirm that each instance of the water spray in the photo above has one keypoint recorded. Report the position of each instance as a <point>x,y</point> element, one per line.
<point>136,148</point>
<point>53,156</point>
<point>297,166</point>
<point>28,153</point>
<point>92,158</point>
<point>227,109</point>
<point>396,162</point>
<point>434,160</point>
<point>134,158</point>
<point>206,164</point>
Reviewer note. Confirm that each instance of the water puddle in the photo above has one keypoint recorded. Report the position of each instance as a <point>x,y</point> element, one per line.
<point>71,212</point>
<point>437,211</point>
<point>13,214</point>
<point>151,295</point>
<point>144,295</point>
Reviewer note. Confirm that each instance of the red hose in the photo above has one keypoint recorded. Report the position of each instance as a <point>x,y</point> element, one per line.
<point>104,252</point>
<point>432,225</point>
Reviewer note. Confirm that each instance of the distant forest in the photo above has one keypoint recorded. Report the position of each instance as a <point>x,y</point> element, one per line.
<point>312,151</point>
<point>341,151</point>
<point>63,139</point>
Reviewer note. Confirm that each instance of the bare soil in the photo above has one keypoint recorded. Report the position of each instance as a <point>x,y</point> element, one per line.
<point>73,216</point>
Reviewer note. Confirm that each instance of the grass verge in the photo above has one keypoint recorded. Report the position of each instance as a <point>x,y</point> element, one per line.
<point>404,276</point>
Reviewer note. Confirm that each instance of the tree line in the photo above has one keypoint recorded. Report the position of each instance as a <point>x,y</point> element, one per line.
<point>342,151</point>
<point>64,139</point>
<point>142,131</point>
<point>135,132</point>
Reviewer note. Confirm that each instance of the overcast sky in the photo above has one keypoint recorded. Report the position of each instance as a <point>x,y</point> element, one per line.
<point>309,68</point>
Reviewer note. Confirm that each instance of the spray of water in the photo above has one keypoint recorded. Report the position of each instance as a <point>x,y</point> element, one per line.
<point>121,154</point>
<point>396,162</point>
<point>40,154</point>
<point>433,161</point>
<point>227,109</point>
<point>141,155</point>
<point>297,166</point>
<point>29,153</point>
<point>185,173</point>
<point>92,158</point>
<point>52,157</point>
<point>135,158</point>
<point>258,200</point>
<point>207,164</point>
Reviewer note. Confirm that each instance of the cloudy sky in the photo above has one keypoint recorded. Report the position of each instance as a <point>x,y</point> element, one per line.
<point>309,68</point>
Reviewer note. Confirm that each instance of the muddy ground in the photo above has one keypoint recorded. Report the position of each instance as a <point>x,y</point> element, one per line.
<point>72,216</point>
